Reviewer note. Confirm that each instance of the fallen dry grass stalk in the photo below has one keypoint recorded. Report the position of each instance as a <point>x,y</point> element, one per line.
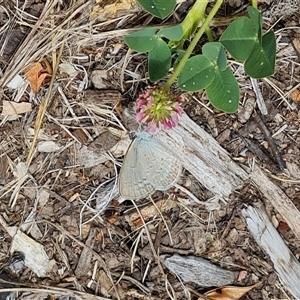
<point>55,64</point>
<point>6,26</point>
<point>27,53</point>
<point>168,285</point>
<point>53,290</point>
<point>43,107</point>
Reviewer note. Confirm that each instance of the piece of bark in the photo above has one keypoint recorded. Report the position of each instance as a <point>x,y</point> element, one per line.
<point>204,158</point>
<point>278,199</point>
<point>84,262</point>
<point>11,272</point>
<point>198,270</point>
<point>102,97</point>
<point>147,212</point>
<point>245,112</point>
<point>35,255</point>
<point>296,46</point>
<point>11,108</point>
<point>254,147</point>
<point>285,263</point>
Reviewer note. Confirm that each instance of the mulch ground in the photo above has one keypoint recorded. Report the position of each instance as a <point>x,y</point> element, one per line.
<point>66,200</point>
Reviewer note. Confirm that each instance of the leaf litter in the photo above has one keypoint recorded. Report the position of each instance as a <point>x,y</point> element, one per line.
<point>37,74</point>
<point>102,248</point>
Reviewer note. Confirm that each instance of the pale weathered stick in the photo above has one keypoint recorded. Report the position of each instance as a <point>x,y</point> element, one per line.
<point>198,270</point>
<point>285,263</point>
<point>204,158</point>
<point>259,97</point>
<point>278,199</point>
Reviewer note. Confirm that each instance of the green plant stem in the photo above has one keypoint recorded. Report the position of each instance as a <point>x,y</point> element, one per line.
<point>191,22</point>
<point>254,3</point>
<point>192,45</point>
<point>207,30</point>
<point>208,33</point>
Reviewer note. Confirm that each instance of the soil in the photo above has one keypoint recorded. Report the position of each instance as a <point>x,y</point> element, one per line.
<point>62,192</point>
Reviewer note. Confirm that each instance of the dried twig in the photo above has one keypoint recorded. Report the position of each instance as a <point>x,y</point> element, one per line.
<point>285,263</point>
<point>274,150</point>
<point>259,97</point>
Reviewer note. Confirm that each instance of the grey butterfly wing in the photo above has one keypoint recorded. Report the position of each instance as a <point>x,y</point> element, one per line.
<point>133,183</point>
<point>161,168</point>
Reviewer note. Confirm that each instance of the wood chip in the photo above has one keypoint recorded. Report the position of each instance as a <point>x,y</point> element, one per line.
<point>36,257</point>
<point>245,112</point>
<point>296,46</point>
<point>102,97</point>
<point>97,77</point>
<point>47,146</point>
<point>150,211</point>
<point>11,108</point>
<point>84,263</point>
<point>198,270</point>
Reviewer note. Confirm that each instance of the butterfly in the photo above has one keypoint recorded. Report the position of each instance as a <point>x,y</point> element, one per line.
<point>148,166</point>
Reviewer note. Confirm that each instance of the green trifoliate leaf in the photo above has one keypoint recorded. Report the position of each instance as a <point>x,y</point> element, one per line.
<point>141,41</point>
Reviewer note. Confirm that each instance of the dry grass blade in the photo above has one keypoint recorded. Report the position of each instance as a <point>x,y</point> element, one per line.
<point>6,25</point>
<point>43,107</point>
<point>52,290</point>
<point>26,53</point>
<point>168,285</point>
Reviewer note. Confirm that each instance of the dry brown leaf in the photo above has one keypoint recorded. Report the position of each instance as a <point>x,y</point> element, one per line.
<point>227,292</point>
<point>111,9</point>
<point>37,73</point>
<point>113,217</point>
<point>100,236</point>
<point>119,109</point>
<point>137,223</point>
<point>11,108</point>
<point>282,226</point>
<point>295,95</point>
